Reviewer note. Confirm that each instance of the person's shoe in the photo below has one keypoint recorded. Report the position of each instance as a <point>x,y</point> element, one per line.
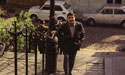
<point>70,74</point>
<point>52,74</point>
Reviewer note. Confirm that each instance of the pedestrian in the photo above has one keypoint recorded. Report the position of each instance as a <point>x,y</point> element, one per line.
<point>72,34</point>
<point>32,35</point>
<point>42,28</point>
<point>34,20</point>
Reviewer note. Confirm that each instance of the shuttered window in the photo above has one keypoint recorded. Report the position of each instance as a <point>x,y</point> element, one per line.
<point>118,1</point>
<point>114,1</point>
<point>109,1</point>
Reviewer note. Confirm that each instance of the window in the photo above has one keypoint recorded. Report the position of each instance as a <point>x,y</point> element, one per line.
<point>46,7</point>
<point>119,11</point>
<point>107,11</point>
<point>58,8</point>
<point>109,1</point>
<point>118,1</point>
<point>114,1</point>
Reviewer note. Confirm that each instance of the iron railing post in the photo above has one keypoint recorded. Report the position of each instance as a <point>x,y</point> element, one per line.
<point>43,63</point>
<point>26,54</point>
<point>51,50</point>
<point>15,51</point>
<point>35,53</point>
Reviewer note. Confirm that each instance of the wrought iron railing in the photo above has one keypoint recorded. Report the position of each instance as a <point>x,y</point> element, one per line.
<point>3,46</point>
<point>15,34</point>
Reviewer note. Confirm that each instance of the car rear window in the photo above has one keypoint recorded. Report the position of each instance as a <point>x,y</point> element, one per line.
<point>58,8</point>
<point>119,11</point>
<point>107,11</point>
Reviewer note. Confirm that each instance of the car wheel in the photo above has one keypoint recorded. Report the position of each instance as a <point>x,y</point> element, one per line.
<point>123,24</point>
<point>61,19</point>
<point>91,22</point>
<point>34,17</point>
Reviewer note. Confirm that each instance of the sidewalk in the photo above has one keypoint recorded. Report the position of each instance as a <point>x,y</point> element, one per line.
<point>87,63</point>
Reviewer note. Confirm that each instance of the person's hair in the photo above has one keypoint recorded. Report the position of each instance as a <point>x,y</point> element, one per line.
<point>41,21</point>
<point>70,14</point>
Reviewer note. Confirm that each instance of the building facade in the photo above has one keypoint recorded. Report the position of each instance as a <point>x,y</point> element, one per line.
<point>91,6</point>
<point>25,3</point>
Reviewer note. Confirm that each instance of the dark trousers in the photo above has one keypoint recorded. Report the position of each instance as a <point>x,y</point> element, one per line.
<point>69,60</point>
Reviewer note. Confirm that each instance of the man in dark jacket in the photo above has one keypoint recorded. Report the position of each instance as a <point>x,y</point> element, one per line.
<point>72,34</point>
<point>42,28</point>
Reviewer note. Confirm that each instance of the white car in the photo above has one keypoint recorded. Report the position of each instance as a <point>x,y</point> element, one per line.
<point>43,12</point>
<point>108,15</point>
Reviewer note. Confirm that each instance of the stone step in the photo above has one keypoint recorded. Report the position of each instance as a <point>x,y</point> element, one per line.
<point>115,66</point>
<point>91,53</point>
<point>80,68</point>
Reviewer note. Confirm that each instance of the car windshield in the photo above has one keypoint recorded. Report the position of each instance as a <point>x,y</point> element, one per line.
<point>67,6</point>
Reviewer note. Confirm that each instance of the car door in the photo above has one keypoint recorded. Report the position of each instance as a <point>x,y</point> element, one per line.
<point>105,16</point>
<point>119,15</point>
<point>45,12</point>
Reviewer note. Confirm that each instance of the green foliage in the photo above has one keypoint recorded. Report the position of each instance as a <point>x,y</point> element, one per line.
<point>1,11</point>
<point>2,19</point>
<point>22,19</point>
<point>3,29</point>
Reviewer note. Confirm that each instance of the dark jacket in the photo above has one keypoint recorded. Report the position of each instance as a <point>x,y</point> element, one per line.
<point>68,43</point>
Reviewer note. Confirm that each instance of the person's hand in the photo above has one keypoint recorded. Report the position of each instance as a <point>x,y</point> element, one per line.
<point>44,26</point>
<point>53,32</point>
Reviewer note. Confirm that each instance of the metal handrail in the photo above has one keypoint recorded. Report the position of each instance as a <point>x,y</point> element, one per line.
<point>41,33</point>
<point>3,49</point>
<point>15,33</point>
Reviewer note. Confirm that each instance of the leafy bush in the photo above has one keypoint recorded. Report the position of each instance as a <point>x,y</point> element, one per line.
<point>22,19</point>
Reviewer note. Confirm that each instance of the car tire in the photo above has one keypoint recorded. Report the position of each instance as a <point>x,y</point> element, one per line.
<point>91,22</point>
<point>61,19</point>
<point>33,15</point>
<point>123,24</point>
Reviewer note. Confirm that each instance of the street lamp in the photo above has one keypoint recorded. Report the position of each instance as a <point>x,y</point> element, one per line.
<point>51,55</point>
<point>52,12</point>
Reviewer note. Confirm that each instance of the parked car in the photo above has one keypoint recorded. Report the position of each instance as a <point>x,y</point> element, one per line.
<point>43,12</point>
<point>110,14</point>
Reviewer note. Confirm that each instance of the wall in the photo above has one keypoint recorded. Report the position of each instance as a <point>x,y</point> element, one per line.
<point>25,3</point>
<point>87,6</point>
